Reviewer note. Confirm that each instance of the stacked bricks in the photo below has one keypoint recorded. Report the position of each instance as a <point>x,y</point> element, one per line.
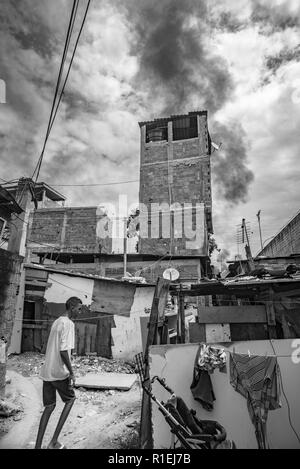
<point>176,172</point>
<point>67,229</point>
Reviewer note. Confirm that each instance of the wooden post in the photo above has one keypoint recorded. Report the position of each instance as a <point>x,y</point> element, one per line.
<point>181,316</point>
<point>157,311</point>
<point>158,305</point>
<point>270,310</point>
<point>18,227</point>
<point>16,244</point>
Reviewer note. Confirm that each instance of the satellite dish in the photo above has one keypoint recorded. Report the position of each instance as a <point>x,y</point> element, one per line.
<point>171,274</point>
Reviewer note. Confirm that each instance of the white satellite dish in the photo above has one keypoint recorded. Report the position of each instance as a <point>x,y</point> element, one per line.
<point>171,274</point>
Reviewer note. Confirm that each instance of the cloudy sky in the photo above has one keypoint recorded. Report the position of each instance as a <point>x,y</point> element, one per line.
<point>141,59</point>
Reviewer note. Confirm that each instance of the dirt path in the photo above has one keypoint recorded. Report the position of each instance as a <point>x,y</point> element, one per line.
<point>98,419</point>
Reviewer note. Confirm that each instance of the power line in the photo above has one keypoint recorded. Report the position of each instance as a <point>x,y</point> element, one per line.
<point>71,62</point>
<point>92,184</point>
<point>66,47</point>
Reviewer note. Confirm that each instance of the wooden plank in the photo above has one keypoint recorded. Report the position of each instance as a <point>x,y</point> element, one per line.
<point>270,313</point>
<point>197,332</point>
<point>113,298</point>
<point>232,314</point>
<point>158,305</point>
<point>217,333</point>
<point>104,337</point>
<point>242,332</point>
<point>36,274</point>
<point>181,317</point>
<point>285,327</point>
<point>33,326</point>
<point>122,381</point>
<point>39,293</point>
<point>38,283</point>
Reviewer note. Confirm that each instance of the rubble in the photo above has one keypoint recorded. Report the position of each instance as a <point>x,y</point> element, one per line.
<point>88,364</point>
<point>8,409</point>
<point>29,364</point>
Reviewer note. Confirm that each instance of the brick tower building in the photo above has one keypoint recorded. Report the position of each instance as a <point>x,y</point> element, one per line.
<point>175,170</point>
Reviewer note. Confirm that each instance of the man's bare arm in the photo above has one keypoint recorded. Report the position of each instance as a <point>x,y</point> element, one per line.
<point>66,359</point>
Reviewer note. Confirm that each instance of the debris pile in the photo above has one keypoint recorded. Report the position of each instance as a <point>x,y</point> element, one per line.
<point>29,364</point>
<point>88,364</point>
<point>7,409</point>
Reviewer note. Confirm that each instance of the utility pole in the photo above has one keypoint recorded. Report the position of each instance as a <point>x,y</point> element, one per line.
<point>17,238</point>
<point>16,244</point>
<point>248,248</point>
<point>258,217</point>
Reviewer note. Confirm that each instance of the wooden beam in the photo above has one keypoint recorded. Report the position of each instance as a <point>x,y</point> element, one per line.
<point>232,314</point>
<point>35,293</point>
<point>271,318</point>
<point>33,326</point>
<point>38,283</point>
<point>156,314</point>
<point>181,316</point>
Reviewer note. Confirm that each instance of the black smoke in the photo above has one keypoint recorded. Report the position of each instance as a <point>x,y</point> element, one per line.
<point>175,62</point>
<point>178,63</point>
<point>229,169</point>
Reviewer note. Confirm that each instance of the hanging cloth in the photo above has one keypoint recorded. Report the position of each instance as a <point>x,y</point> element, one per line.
<point>207,359</point>
<point>257,379</point>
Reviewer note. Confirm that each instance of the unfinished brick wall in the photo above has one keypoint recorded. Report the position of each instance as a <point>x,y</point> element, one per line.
<point>176,171</point>
<point>9,285</point>
<point>67,229</point>
<point>286,242</point>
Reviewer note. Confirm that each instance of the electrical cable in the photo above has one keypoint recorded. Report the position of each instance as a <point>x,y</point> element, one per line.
<point>94,185</point>
<point>66,46</point>
<point>66,78</point>
<point>70,65</point>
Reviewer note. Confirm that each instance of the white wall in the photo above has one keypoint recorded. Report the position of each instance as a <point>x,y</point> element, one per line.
<point>65,286</point>
<point>175,363</point>
<point>127,336</point>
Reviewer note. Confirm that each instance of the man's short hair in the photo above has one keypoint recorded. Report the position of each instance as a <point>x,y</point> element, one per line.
<point>73,301</point>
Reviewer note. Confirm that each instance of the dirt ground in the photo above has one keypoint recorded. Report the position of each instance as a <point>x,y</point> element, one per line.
<point>99,419</point>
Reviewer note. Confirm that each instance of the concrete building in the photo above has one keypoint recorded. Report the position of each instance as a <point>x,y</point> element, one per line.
<point>148,266</point>
<point>72,230</point>
<point>175,170</point>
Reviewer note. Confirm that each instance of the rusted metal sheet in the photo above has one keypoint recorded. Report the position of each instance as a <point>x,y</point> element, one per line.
<point>113,298</point>
<point>232,314</point>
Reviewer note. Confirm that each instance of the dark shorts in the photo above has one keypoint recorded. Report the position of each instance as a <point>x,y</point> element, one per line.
<point>63,387</point>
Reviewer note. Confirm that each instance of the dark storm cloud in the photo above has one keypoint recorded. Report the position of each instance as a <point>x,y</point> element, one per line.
<point>176,60</point>
<point>229,167</point>
<point>285,56</point>
<point>273,17</point>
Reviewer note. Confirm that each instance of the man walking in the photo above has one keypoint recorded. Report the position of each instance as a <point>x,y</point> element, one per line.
<point>57,373</point>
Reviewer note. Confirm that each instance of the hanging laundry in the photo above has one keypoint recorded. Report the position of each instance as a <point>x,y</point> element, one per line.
<point>257,378</point>
<point>211,358</point>
<point>207,359</point>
